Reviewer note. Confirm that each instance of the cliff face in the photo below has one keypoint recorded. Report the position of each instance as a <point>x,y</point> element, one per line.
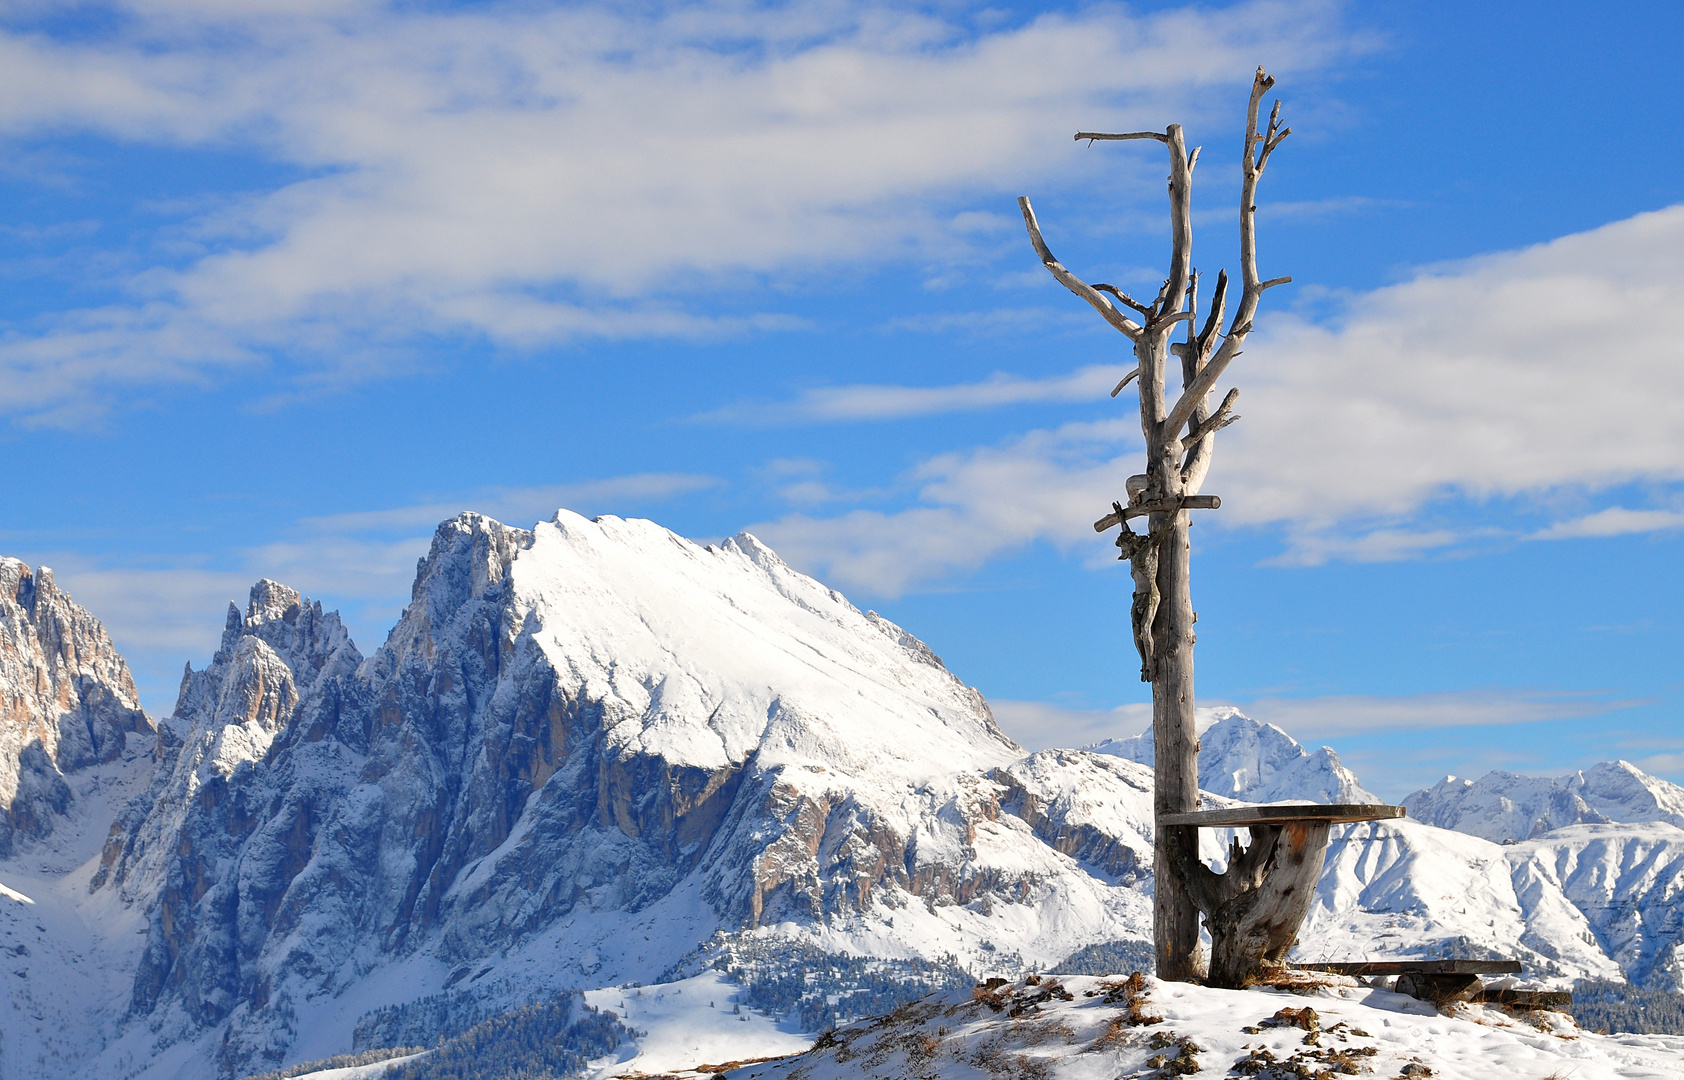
<point>66,700</point>
<point>577,739</point>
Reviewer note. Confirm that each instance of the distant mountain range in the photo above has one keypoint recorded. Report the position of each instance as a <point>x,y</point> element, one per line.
<point>595,753</point>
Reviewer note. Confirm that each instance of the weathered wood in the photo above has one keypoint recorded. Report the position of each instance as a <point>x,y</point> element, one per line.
<point>1525,999</point>
<point>1254,909</point>
<point>1106,309</point>
<point>1416,967</point>
<point>1158,506</point>
<point>1332,813</point>
<point>1439,989</point>
<point>1202,426</point>
<point>1162,609</point>
<point>1099,136</point>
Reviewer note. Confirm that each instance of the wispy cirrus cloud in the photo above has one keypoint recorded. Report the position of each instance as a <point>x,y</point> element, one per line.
<point>1361,714</point>
<point>1614,521</point>
<point>534,173</point>
<point>889,402</point>
<point>1040,725</point>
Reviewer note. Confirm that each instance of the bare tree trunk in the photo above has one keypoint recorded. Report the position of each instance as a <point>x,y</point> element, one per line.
<point>1175,916</point>
<point>1176,465</point>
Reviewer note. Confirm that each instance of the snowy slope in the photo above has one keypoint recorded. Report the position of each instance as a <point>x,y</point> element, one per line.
<point>1243,759</point>
<point>1505,806</point>
<point>1079,1028</point>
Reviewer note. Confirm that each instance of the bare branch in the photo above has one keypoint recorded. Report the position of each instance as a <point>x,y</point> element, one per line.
<point>1159,506</point>
<point>1252,287</point>
<point>1126,380</point>
<point>1096,136</point>
<point>1171,320</point>
<point>1205,382</point>
<point>1121,295</point>
<point>1070,281</point>
<point>1272,282</point>
<point>1217,421</point>
<point>1193,158</point>
<point>1213,324</point>
<point>1158,304</point>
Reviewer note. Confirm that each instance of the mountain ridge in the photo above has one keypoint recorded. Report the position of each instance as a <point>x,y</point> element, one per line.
<point>589,749</point>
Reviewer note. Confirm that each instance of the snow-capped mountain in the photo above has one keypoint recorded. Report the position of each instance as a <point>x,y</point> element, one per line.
<point>592,744</point>
<point>66,701</point>
<point>589,749</point>
<point>1505,806</point>
<point>1255,762</point>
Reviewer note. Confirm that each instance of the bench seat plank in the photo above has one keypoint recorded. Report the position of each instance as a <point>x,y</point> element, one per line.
<point>1416,967</point>
<point>1332,813</point>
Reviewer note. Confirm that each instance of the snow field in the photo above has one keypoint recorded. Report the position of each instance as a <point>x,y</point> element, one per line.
<point>690,1023</point>
<point>1077,1028</point>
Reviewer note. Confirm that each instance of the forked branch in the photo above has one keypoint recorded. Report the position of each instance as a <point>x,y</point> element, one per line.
<point>1258,147</point>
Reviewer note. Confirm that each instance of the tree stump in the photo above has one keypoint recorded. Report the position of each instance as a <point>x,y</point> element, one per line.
<point>1254,909</point>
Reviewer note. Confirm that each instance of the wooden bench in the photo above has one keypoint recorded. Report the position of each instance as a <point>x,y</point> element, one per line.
<point>1254,909</point>
<point>1444,981</point>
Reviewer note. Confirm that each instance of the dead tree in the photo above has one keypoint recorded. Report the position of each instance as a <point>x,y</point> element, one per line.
<point>1178,453</point>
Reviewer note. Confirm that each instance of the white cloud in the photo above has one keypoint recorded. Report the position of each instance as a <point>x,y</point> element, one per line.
<point>1614,521</point>
<point>1039,725</point>
<point>887,402</point>
<point>1359,714</point>
<point>1553,369</point>
<point>534,173</point>
<point>1048,485</point>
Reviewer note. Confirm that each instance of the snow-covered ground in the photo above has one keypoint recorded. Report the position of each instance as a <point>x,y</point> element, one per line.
<point>359,1072</point>
<point>1081,1028</point>
<point>67,956</point>
<point>690,1023</point>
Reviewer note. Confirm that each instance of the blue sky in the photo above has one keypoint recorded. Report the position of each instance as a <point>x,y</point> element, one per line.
<point>288,282</point>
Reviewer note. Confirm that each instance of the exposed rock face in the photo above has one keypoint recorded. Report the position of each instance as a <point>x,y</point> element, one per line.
<point>1507,807</point>
<point>1241,758</point>
<point>228,825</point>
<point>568,728</point>
<point>66,700</point>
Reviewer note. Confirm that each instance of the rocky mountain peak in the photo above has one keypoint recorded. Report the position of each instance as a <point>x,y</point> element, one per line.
<point>67,700</point>
<point>1242,758</point>
<point>269,601</point>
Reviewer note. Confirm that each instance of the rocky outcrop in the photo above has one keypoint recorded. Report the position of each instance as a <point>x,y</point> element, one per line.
<point>67,700</point>
<point>1095,808</point>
